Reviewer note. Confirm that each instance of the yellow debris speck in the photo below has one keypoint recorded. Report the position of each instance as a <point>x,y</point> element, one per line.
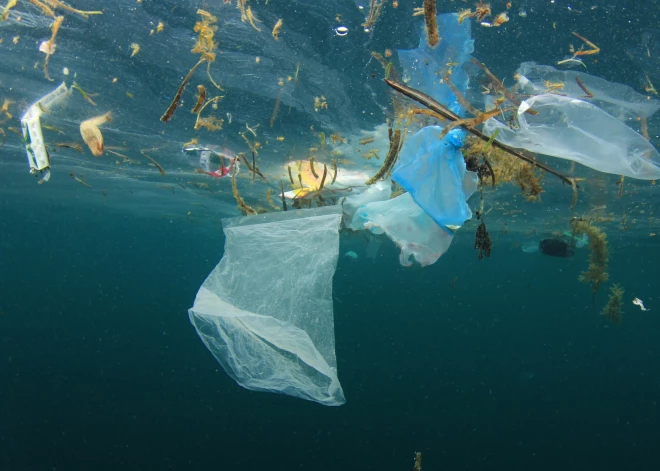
<point>16,39</point>
<point>136,48</point>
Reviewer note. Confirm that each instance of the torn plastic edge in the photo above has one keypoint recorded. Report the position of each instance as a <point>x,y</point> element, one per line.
<point>35,147</point>
<point>524,106</point>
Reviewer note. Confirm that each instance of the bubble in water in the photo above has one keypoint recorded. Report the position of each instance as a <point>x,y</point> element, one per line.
<point>341,30</point>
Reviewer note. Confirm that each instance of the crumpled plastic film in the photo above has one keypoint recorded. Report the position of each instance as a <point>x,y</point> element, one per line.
<point>621,101</point>
<point>266,311</point>
<point>409,227</point>
<point>575,130</point>
<point>378,192</point>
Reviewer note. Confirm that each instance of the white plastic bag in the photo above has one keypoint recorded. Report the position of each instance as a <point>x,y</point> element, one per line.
<point>416,234</point>
<point>265,311</point>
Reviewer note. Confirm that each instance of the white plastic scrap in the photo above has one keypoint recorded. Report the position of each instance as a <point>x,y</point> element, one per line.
<point>640,303</point>
<point>35,147</point>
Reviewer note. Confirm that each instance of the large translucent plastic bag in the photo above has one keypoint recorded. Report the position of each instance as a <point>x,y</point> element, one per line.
<point>576,130</point>
<point>433,171</point>
<point>409,227</point>
<point>621,101</point>
<point>265,311</point>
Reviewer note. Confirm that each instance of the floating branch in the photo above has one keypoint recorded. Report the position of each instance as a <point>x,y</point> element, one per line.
<point>431,23</point>
<point>160,169</point>
<point>584,89</point>
<point>392,154</point>
<point>594,49</point>
<point>175,102</point>
<point>200,99</point>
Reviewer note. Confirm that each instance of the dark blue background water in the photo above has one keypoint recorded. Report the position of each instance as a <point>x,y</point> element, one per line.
<point>513,369</point>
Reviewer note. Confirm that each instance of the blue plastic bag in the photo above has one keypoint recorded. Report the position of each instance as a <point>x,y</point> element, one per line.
<point>433,171</point>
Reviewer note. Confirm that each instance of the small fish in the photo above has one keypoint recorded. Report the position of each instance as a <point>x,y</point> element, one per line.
<point>640,303</point>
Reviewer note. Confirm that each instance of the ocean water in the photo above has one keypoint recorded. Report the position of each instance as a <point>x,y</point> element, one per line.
<point>500,363</point>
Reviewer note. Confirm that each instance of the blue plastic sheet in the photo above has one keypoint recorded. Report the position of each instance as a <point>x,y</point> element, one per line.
<point>424,68</point>
<point>433,171</point>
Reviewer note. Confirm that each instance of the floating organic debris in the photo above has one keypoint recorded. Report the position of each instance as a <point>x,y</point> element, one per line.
<point>48,47</point>
<point>84,94</point>
<point>431,23</point>
<point>5,11</point>
<point>79,180</point>
<point>200,99</point>
<point>614,307</point>
<point>598,257</point>
<point>241,204</point>
<point>91,134</point>
<point>482,241</point>
<point>160,169</point>
<point>395,146</point>
<point>276,31</point>
<point>169,113</point>
<point>374,12</point>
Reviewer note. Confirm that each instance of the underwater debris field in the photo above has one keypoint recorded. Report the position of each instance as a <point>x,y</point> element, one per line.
<point>439,216</point>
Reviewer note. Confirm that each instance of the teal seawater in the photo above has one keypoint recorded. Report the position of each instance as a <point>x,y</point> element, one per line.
<point>512,369</point>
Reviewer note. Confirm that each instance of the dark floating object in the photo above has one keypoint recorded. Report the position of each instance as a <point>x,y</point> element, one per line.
<point>482,241</point>
<point>556,248</point>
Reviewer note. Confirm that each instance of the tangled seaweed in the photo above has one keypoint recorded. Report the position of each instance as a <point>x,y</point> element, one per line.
<point>598,256</point>
<point>613,308</point>
<point>502,168</point>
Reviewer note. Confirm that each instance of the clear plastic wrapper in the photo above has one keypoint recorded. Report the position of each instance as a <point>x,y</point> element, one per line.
<point>409,227</point>
<point>380,191</point>
<point>621,101</point>
<point>573,129</point>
